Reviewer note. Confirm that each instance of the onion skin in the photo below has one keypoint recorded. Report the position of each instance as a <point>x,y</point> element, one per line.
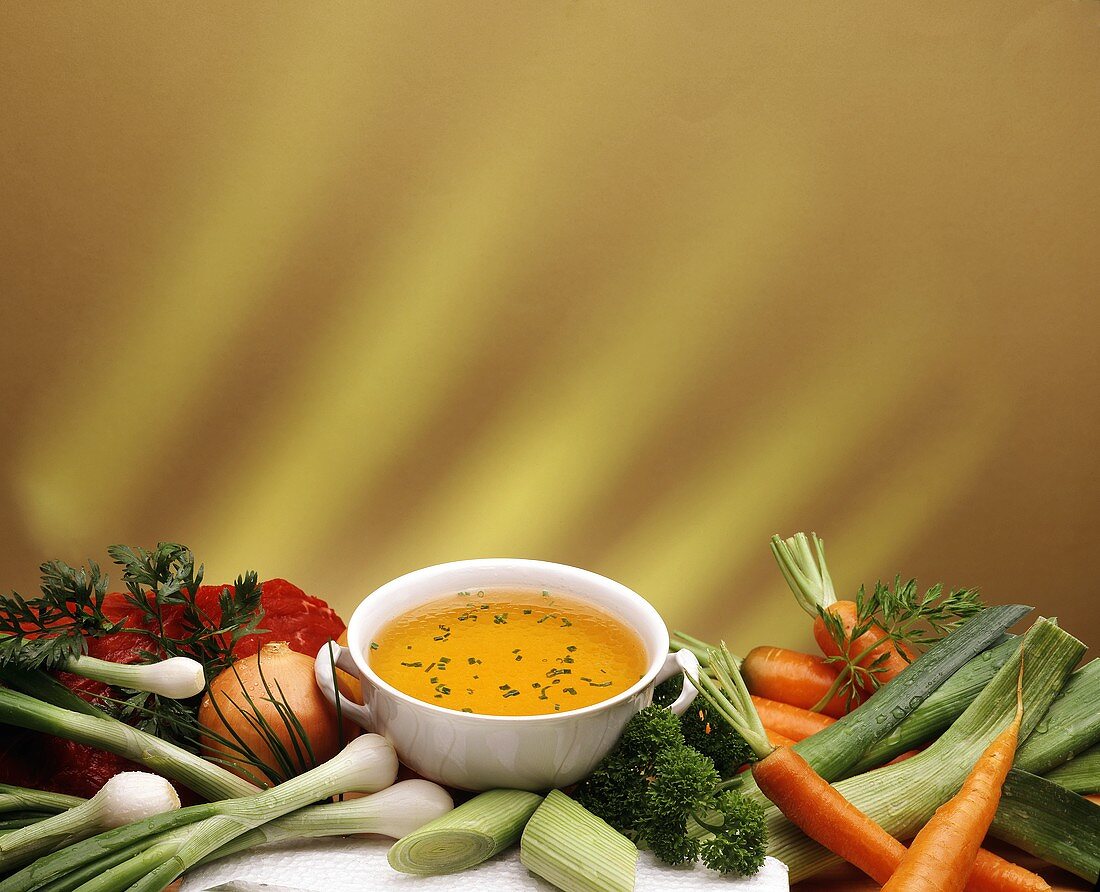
<point>291,672</point>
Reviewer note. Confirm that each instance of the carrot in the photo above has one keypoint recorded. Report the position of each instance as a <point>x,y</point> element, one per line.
<point>790,721</point>
<point>1093,797</point>
<point>818,808</point>
<point>992,873</point>
<point>943,854</point>
<point>809,580</point>
<point>789,676</point>
<point>777,739</point>
<point>868,648</point>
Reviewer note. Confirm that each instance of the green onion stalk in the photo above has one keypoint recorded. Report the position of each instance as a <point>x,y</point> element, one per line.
<point>902,797</point>
<point>96,729</point>
<point>163,847</point>
<point>395,812</point>
<point>1081,774</point>
<point>125,798</point>
<point>175,677</point>
<point>24,799</point>
<point>942,707</point>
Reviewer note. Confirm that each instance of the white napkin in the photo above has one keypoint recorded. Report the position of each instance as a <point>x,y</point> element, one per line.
<point>349,864</point>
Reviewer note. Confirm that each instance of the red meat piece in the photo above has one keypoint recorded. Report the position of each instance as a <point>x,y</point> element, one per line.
<point>45,762</point>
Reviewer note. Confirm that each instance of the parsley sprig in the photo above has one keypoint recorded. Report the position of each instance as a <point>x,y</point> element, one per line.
<point>48,631</point>
<point>900,616</point>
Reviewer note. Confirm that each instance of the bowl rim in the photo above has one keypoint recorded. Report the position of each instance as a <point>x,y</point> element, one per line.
<point>657,661</point>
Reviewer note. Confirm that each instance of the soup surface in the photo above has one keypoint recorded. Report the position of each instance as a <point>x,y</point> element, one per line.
<point>508,651</point>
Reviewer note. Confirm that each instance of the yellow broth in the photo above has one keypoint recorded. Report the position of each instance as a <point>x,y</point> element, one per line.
<point>508,651</point>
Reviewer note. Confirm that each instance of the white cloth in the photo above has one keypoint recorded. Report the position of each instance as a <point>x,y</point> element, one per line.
<point>348,864</point>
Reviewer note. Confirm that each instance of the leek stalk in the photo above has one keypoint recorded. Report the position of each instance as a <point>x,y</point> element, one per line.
<point>942,707</point>
<point>1073,718</point>
<point>472,833</point>
<point>902,797</point>
<point>1081,774</point>
<point>568,846</point>
<point>1050,822</point>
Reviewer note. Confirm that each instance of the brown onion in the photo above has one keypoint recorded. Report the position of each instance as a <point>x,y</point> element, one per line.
<point>288,675</point>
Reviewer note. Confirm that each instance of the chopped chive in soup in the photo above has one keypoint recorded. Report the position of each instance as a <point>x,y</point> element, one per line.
<point>506,651</point>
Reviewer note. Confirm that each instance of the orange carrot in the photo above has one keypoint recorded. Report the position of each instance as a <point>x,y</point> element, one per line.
<point>1093,797</point>
<point>826,816</point>
<point>789,676</point>
<point>943,854</point>
<point>873,650</point>
<point>777,739</point>
<point>872,645</point>
<point>790,721</point>
<point>992,873</point>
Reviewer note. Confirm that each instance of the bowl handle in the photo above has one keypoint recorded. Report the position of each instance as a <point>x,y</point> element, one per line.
<point>322,671</point>
<point>686,662</point>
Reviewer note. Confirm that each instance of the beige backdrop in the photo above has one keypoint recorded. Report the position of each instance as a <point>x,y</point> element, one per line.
<point>340,290</point>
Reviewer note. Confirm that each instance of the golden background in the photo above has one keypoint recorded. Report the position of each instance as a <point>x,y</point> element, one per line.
<point>337,291</point>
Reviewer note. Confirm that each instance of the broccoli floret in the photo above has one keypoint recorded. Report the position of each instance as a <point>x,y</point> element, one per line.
<point>653,786</point>
<point>711,735</point>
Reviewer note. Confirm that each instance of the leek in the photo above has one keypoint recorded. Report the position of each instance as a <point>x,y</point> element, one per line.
<point>23,799</point>
<point>568,846</point>
<point>942,707</point>
<point>834,750</point>
<point>1080,774</point>
<point>1071,725</point>
<point>1050,822</point>
<point>903,797</point>
<point>472,833</point>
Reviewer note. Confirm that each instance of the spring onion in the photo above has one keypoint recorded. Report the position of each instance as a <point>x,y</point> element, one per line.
<point>16,820</point>
<point>1073,717</point>
<point>903,796</point>
<point>125,798</point>
<point>159,756</point>
<point>166,845</point>
<point>395,812</point>
<point>472,833</point>
<point>1081,774</point>
<point>568,846</point>
<point>942,707</point>
<point>176,677</point>
<point>1050,822</point>
<point>22,798</point>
